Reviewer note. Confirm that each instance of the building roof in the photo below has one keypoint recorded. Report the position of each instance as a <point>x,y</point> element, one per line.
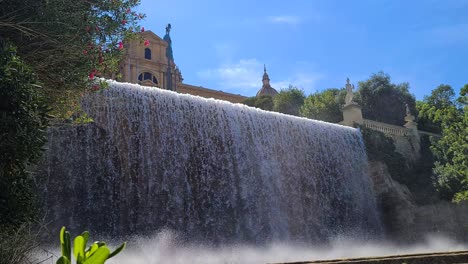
<point>266,88</point>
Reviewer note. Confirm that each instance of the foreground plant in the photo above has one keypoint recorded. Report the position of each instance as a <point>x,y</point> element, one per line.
<point>96,253</point>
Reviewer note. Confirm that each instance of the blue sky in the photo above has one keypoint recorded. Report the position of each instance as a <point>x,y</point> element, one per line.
<point>314,44</point>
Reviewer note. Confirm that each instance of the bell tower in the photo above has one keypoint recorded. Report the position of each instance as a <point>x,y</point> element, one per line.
<point>149,61</point>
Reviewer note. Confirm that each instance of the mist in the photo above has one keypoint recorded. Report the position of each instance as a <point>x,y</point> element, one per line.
<point>166,248</point>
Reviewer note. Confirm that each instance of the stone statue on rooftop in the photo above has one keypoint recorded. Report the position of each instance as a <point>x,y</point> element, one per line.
<point>167,38</point>
<point>168,29</point>
<point>349,92</point>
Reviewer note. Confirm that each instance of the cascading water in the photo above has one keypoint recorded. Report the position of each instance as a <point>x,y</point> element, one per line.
<point>207,169</point>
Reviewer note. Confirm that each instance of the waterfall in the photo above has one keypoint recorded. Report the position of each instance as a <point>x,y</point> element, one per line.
<point>206,169</point>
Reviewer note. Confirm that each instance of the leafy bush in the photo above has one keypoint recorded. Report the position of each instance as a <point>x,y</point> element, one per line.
<point>23,122</point>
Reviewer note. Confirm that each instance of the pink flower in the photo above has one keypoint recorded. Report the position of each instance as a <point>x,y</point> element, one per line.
<point>142,29</point>
<point>128,10</point>
<point>91,75</point>
<point>120,45</point>
<point>124,22</point>
<point>147,42</point>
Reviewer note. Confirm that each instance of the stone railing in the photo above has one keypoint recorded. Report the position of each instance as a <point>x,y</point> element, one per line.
<point>429,133</point>
<point>386,128</point>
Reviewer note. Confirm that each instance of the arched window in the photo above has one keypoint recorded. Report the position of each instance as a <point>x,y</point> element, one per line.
<point>147,54</point>
<point>147,76</point>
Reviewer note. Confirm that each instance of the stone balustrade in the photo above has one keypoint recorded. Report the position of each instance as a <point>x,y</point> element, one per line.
<point>386,128</point>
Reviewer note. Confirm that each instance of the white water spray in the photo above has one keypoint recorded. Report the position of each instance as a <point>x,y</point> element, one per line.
<point>213,171</point>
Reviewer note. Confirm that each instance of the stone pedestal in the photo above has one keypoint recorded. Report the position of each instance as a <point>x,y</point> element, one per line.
<point>410,123</point>
<point>352,114</point>
<point>413,127</point>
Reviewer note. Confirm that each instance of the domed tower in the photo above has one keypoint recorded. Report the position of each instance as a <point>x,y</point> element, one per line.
<point>266,88</point>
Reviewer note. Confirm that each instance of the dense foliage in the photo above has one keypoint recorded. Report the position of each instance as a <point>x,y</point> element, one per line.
<point>66,40</point>
<point>23,121</point>
<point>421,176</point>
<point>68,43</point>
<point>64,45</point>
<point>436,108</point>
<point>384,101</point>
<point>325,105</point>
<point>289,101</point>
<point>441,112</point>
<point>264,102</point>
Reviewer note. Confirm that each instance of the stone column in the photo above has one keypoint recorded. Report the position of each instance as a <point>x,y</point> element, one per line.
<point>413,126</point>
<point>133,72</point>
<point>352,112</point>
<point>126,71</point>
<point>410,123</point>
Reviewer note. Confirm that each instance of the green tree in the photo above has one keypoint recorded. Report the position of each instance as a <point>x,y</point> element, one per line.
<point>384,101</point>
<point>289,101</point>
<point>451,151</point>
<point>23,120</point>
<point>264,102</point>
<point>435,108</point>
<point>325,106</point>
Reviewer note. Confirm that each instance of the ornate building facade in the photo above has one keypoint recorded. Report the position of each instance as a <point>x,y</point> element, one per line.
<point>152,63</point>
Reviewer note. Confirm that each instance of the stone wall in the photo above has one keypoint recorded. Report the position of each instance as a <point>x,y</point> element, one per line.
<point>443,218</point>
<point>405,221</point>
<point>424,258</point>
<point>406,140</point>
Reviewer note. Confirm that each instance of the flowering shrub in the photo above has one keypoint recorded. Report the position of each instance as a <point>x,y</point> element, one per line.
<point>70,39</point>
<point>68,43</point>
